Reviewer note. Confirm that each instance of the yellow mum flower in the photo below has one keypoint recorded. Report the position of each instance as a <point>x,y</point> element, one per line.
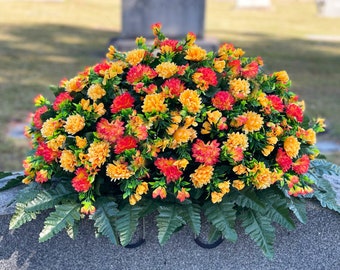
<point>239,88</point>
<point>154,103</point>
<point>190,100</point>
<point>219,65</point>
<point>238,52</point>
<point>166,69</point>
<point>134,57</point>
<point>74,123</point>
<point>240,169</point>
<point>263,176</point>
<point>176,117</point>
<point>292,146</point>
<point>206,128</point>
<point>95,92</point>
<point>238,184</point>
<point>272,140</point>
<point>224,187</point>
<point>216,197</point>
<point>253,123</point>
<point>85,104</point>
<point>68,160</point>
<point>142,188</point>
<point>98,152</point>
<point>118,171</point>
<point>134,198</point>
<point>196,53</point>
<point>235,140</point>
<point>181,163</point>
<point>214,116</point>
<point>50,126</point>
<point>202,175</point>
<point>115,69</point>
<point>183,135</point>
<point>267,150</point>
<point>56,143</point>
<point>99,109</point>
<point>81,142</point>
<point>111,52</point>
<point>282,76</point>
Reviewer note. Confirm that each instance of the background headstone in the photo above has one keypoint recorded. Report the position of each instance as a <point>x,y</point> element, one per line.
<point>328,8</point>
<point>253,3</point>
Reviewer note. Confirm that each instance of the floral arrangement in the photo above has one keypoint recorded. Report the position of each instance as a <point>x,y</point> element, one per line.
<point>175,129</point>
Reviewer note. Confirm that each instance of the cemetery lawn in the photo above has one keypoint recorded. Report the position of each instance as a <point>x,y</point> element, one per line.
<point>42,42</point>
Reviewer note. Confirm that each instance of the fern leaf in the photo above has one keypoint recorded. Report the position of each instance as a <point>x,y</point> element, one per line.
<point>104,218</point>
<point>168,221</point>
<point>72,230</point>
<point>247,198</point>
<point>260,230</point>
<point>222,216</point>
<point>14,180</point>
<point>322,173</point>
<point>298,207</point>
<point>20,216</point>
<point>192,216</point>
<point>214,235</point>
<point>277,208</point>
<point>46,199</point>
<point>127,222</point>
<point>64,215</point>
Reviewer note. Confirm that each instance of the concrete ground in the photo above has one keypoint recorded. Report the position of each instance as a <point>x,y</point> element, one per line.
<point>315,245</point>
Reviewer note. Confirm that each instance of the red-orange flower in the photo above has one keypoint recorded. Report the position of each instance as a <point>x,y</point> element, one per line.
<point>62,97</point>
<point>139,72</point>
<point>110,131</point>
<point>121,102</point>
<point>223,100</point>
<point>284,161</point>
<point>169,169</point>
<point>207,153</point>
<point>235,67</point>
<point>204,77</point>
<point>37,122</point>
<point>159,191</point>
<point>101,67</point>
<point>41,176</point>
<point>125,143</point>
<point>156,28</point>
<point>301,165</point>
<point>81,182</point>
<point>48,154</point>
<point>173,87</point>
<point>250,70</point>
<point>293,111</point>
<point>182,194</point>
<point>276,102</point>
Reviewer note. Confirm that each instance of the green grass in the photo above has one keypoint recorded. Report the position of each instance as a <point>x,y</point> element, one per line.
<point>43,41</point>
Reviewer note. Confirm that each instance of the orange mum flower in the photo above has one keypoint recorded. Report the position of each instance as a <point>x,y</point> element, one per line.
<point>236,139</point>
<point>134,57</point>
<point>183,135</point>
<point>292,146</point>
<point>166,69</point>
<point>41,176</point>
<point>250,70</point>
<point>190,100</point>
<point>68,160</point>
<point>169,168</point>
<point>124,101</point>
<point>74,123</point>
<point>81,142</point>
<point>182,194</point>
<point>118,171</point>
<point>154,103</point>
<point>207,153</point>
<point>57,142</point>
<point>95,92</point>
<point>202,175</point>
<point>254,122</point>
<point>98,152</point>
<point>196,53</point>
<point>219,65</point>
<point>81,182</point>
<point>238,184</point>
<point>239,88</point>
<point>50,126</point>
<point>76,84</point>
<point>263,176</point>
<point>159,191</point>
<point>282,76</point>
<point>301,165</point>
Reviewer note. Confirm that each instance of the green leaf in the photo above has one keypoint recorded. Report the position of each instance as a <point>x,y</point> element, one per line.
<point>222,215</point>
<point>105,217</point>
<point>65,215</point>
<point>127,222</point>
<point>322,172</point>
<point>192,216</point>
<point>20,216</point>
<point>277,208</point>
<point>168,221</point>
<point>247,198</point>
<point>259,228</point>
<point>298,207</point>
<point>72,230</point>
<point>46,199</point>
<point>214,234</point>
<point>14,180</point>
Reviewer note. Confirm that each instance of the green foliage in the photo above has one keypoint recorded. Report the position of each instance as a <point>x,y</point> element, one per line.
<point>222,216</point>
<point>168,221</point>
<point>259,228</point>
<point>105,218</point>
<point>322,172</point>
<point>14,181</point>
<point>63,217</point>
<point>298,207</point>
<point>191,213</point>
<point>20,216</point>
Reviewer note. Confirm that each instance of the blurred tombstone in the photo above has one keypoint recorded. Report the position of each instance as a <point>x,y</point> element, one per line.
<point>328,8</point>
<point>253,3</point>
<point>178,17</point>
